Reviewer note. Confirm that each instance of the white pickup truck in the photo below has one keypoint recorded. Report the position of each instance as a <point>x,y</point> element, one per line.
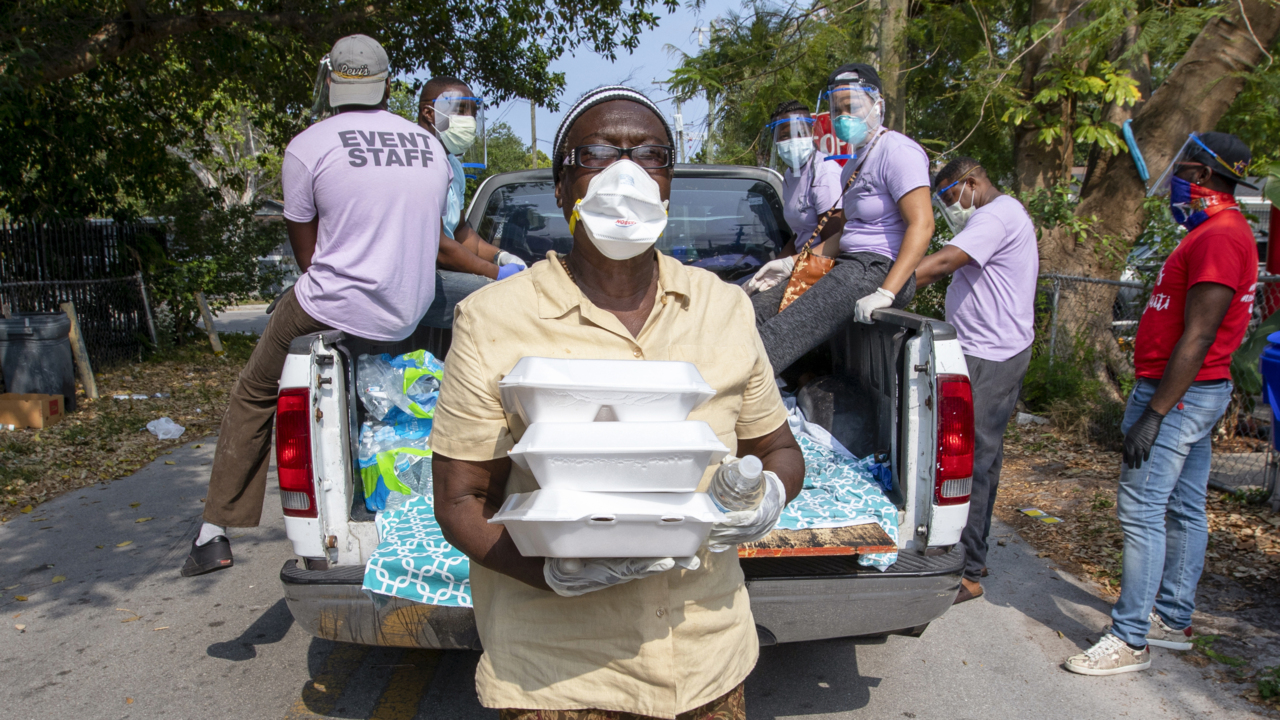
<point>897,388</point>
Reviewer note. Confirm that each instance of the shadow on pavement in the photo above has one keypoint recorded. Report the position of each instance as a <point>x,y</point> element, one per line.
<point>810,678</point>
<point>270,627</point>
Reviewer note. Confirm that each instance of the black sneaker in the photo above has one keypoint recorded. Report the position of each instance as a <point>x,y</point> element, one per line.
<point>213,555</point>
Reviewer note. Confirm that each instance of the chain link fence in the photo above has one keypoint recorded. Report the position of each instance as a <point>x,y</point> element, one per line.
<point>92,264</point>
<point>1085,330</point>
<point>114,313</point>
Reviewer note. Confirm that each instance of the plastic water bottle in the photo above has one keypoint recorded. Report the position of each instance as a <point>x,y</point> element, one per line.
<point>739,485</point>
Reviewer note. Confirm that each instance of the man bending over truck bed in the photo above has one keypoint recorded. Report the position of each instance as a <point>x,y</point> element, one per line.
<point>364,192</point>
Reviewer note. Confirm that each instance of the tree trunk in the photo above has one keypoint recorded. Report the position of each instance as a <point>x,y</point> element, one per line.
<point>893,42</point>
<point>1041,165</point>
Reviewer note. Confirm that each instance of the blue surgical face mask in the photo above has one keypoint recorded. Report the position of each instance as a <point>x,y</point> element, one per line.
<point>795,152</point>
<point>853,130</point>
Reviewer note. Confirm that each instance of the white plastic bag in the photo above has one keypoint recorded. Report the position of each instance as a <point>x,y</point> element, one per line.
<point>166,429</point>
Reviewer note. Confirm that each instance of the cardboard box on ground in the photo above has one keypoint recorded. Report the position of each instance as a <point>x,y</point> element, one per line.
<point>19,411</point>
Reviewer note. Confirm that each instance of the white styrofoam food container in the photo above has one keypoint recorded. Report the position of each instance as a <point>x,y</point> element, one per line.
<point>569,524</point>
<point>557,390</point>
<point>619,456</point>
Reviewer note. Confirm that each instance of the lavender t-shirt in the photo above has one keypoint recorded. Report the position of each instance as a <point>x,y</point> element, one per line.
<point>378,184</point>
<point>893,168</point>
<point>808,194</point>
<point>991,300</point>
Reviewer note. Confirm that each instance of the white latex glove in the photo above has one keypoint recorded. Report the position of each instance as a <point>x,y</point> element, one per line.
<point>878,300</point>
<point>506,258</point>
<point>770,274</point>
<point>744,526</point>
<point>571,578</point>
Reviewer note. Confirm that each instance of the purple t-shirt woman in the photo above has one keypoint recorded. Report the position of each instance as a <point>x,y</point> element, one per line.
<point>893,168</point>
<point>808,193</point>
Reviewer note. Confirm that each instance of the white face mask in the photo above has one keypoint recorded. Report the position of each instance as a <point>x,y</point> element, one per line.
<point>623,212</point>
<point>457,133</point>
<point>795,152</point>
<point>957,214</point>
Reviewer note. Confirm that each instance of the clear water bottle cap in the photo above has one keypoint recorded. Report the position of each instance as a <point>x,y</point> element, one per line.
<point>750,467</point>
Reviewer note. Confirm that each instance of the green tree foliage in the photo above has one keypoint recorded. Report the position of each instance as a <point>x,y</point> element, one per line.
<point>212,246</point>
<point>94,95</point>
<point>965,80</point>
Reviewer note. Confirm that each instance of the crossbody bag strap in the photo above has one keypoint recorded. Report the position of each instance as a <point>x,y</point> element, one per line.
<point>822,221</point>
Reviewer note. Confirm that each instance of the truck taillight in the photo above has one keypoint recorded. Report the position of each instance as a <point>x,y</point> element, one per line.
<point>293,453</point>
<point>954,477</point>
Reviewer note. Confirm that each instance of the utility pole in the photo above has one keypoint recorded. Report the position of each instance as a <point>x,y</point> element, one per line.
<point>679,131</point>
<point>533,131</point>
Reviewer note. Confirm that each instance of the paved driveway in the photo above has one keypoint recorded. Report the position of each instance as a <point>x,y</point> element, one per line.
<point>123,635</point>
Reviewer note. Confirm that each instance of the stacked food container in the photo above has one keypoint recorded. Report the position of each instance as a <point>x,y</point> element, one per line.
<point>615,456</point>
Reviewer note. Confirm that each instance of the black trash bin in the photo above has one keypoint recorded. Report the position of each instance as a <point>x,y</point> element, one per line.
<point>35,352</point>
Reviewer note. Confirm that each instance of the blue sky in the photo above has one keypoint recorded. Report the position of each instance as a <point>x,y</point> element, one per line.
<point>650,61</point>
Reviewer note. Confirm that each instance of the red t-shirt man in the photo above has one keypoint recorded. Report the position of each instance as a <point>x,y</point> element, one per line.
<point>1221,250</point>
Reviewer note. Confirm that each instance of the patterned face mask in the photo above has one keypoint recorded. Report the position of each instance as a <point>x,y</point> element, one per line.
<point>1192,204</point>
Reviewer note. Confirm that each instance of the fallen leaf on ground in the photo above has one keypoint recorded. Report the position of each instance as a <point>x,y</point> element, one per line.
<point>142,520</point>
<point>59,578</point>
<point>128,701</point>
<point>134,505</point>
<point>27,509</point>
<point>126,542</point>
<point>20,598</point>
<point>170,462</point>
<point>12,586</point>
<point>197,446</point>
<point>20,627</point>
<point>99,546</point>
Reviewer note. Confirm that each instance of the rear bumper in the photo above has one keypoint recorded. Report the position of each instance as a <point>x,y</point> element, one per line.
<point>799,599</point>
<point>330,604</point>
<point>792,599</point>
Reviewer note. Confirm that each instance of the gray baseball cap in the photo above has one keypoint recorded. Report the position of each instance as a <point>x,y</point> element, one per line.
<point>358,71</point>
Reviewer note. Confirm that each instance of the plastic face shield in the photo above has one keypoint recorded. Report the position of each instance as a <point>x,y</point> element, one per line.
<point>862,101</point>
<point>791,127</point>
<point>450,104</point>
<point>953,219</point>
<point>1163,183</point>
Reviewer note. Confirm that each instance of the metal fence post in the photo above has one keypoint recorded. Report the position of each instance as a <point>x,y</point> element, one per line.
<point>146,307</point>
<point>1053,319</point>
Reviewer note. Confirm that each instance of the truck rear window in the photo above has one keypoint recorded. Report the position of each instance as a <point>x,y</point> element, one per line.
<point>730,226</point>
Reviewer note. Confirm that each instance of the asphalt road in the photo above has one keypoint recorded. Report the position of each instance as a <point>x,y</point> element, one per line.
<point>112,631</point>
<point>241,318</point>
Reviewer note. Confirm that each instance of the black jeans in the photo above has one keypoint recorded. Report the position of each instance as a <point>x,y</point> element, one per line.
<point>995,393</point>
<point>824,308</point>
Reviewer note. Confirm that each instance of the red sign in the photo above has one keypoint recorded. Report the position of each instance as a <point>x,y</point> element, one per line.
<point>828,143</point>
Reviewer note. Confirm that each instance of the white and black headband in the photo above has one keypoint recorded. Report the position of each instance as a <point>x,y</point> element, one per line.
<point>590,99</point>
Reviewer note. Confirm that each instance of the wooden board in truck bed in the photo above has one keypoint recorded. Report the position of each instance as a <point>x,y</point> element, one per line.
<point>855,540</point>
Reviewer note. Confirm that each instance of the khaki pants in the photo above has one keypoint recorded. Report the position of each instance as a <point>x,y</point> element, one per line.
<point>730,706</point>
<point>238,482</point>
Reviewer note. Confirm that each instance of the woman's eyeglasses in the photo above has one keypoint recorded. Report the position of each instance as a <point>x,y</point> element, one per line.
<point>650,157</point>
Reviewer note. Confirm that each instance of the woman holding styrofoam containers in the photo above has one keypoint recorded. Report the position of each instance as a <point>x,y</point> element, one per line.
<point>886,220</point>
<point>637,635</point>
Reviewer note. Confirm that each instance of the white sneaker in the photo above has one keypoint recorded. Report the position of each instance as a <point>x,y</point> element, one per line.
<point>1109,656</point>
<point>1161,635</point>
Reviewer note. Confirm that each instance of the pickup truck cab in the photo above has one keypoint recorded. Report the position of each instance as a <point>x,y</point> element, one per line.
<point>897,388</point>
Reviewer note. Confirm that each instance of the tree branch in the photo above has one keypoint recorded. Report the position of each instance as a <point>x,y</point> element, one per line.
<point>135,31</point>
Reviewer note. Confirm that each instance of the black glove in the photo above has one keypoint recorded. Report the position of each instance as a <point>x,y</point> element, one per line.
<point>1140,438</point>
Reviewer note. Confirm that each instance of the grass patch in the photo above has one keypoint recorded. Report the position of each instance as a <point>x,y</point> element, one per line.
<point>1204,643</point>
<point>1269,682</point>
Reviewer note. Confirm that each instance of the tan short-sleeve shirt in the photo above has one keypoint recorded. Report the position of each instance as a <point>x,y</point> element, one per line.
<point>657,646</point>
